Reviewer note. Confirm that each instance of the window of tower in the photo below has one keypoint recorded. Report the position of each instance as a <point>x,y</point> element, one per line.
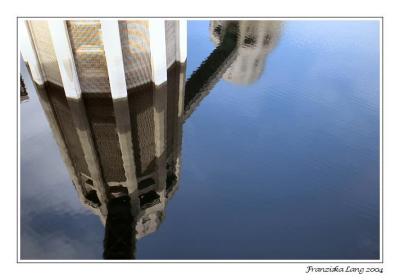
<point>146,183</point>
<point>93,199</point>
<point>266,40</point>
<point>149,199</point>
<point>249,41</point>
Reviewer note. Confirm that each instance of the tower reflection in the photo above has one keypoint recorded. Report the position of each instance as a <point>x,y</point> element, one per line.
<point>123,152</point>
<point>255,40</point>
<point>239,57</point>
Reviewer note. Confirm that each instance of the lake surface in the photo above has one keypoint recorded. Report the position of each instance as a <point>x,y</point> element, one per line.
<point>279,158</point>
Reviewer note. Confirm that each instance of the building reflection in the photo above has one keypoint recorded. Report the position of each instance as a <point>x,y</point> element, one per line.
<point>123,151</point>
<point>239,57</point>
<point>255,40</point>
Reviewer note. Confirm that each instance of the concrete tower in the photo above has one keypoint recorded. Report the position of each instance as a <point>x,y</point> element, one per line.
<point>113,92</point>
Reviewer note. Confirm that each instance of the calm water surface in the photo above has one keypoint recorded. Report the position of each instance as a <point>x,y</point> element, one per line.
<point>279,155</point>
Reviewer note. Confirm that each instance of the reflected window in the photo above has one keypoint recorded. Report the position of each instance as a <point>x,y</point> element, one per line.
<point>249,41</point>
<point>170,182</point>
<point>118,191</point>
<point>218,29</point>
<point>89,182</point>
<point>149,199</point>
<point>93,199</point>
<point>146,183</point>
<point>266,40</point>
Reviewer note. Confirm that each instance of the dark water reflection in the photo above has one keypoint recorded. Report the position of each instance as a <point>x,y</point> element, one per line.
<point>271,152</point>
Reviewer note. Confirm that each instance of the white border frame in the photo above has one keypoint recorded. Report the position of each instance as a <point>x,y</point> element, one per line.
<point>310,261</point>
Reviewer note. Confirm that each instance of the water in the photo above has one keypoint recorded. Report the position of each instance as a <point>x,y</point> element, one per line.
<point>279,160</point>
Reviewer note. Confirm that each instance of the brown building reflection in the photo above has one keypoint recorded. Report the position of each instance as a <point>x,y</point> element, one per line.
<point>123,153</point>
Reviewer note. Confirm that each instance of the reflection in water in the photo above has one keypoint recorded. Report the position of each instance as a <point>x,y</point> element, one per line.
<point>127,188</point>
<point>235,58</point>
<point>124,154</point>
<point>255,40</point>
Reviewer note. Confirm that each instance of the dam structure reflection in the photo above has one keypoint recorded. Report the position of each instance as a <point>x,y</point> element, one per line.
<point>116,98</point>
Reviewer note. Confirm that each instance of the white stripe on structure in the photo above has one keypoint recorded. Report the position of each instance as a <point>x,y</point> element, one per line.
<point>65,58</point>
<point>182,40</point>
<point>158,51</point>
<point>116,74</point>
<point>115,63</point>
<point>66,64</point>
<point>28,51</point>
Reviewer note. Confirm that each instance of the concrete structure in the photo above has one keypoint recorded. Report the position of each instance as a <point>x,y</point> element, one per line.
<point>103,86</point>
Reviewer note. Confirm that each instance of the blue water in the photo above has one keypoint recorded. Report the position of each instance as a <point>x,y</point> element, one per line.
<point>286,167</point>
